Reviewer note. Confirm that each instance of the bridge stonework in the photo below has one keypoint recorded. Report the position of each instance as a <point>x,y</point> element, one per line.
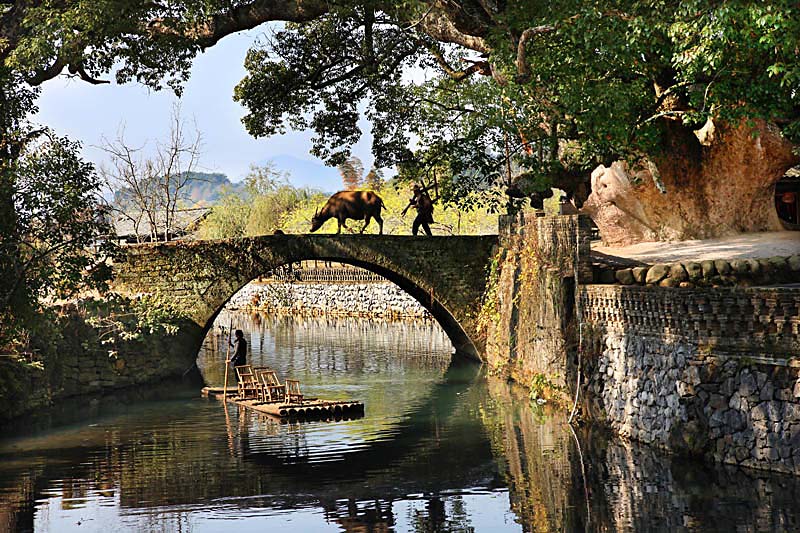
<point>447,275</point>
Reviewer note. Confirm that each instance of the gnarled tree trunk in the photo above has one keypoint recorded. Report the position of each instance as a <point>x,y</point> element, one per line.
<point>718,181</point>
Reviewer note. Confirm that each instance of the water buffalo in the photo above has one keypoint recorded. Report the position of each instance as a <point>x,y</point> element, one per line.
<point>358,205</point>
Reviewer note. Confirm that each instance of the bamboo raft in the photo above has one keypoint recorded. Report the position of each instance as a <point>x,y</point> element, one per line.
<point>259,389</point>
<point>311,408</point>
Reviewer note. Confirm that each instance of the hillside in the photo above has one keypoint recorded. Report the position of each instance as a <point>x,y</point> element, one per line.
<point>203,188</point>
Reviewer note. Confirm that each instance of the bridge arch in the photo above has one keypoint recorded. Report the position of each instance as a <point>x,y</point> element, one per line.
<point>447,275</point>
<point>461,340</point>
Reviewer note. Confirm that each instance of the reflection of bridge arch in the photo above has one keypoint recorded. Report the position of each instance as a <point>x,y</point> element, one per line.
<point>413,436</point>
<point>446,275</point>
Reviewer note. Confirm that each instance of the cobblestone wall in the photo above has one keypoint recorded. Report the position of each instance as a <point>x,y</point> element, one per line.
<point>378,300</point>
<point>713,372</point>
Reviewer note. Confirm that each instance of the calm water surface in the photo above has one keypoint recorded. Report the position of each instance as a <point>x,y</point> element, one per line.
<point>442,448</point>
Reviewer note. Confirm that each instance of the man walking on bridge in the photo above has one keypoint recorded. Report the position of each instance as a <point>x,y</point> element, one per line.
<point>422,202</point>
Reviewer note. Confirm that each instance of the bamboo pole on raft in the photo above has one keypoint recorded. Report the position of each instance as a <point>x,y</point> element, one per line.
<point>227,363</point>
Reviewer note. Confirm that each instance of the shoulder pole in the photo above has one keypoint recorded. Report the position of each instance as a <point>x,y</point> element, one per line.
<point>227,363</point>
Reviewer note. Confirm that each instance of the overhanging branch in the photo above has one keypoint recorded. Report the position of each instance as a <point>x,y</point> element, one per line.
<point>247,16</point>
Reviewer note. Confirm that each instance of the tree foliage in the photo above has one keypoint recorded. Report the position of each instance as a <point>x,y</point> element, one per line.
<point>543,89</point>
<point>566,86</point>
<point>59,219</point>
<point>547,88</point>
<point>352,172</point>
<point>373,181</point>
<point>57,243</point>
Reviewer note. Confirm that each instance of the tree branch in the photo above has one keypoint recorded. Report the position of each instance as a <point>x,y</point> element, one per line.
<point>208,32</point>
<point>439,25</point>
<point>523,70</point>
<point>82,74</point>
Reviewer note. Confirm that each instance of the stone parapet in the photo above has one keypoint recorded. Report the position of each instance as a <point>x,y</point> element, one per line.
<point>764,320</point>
<point>563,240</point>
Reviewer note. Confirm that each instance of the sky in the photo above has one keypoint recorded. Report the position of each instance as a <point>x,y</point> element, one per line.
<point>90,113</point>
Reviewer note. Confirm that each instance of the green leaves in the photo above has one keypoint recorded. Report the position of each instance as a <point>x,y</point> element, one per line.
<point>740,60</point>
<point>119,319</point>
<point>270,199</point>
<point>321,74</point>
<point>59,221</point>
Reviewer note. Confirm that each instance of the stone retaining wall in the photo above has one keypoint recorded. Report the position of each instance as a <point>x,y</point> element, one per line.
<point>80,364</point>
<point>376,300</point>
<point>529,307</point>
<point>713,372</point>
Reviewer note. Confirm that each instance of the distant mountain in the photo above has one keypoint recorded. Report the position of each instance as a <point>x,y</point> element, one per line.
<point>208,188</point>
<point>203,188</point>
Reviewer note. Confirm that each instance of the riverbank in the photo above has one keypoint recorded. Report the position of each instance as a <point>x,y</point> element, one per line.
<point>94,347</point>
<point>379,300</point>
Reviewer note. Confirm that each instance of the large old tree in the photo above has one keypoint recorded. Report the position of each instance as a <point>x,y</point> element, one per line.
<point>696,103</point>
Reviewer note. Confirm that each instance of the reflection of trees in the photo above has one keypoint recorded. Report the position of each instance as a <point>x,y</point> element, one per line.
<point>182,463</point>
<point>536,458</point>
<point>436,519</point>
<point>17,503</point>
<point>360,517</point>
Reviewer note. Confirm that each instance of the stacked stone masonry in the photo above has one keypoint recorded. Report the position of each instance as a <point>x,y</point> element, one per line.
<point>532,334</point>
<point>447,275</point>
<point>375,300</point>
<point>735,319</point>
<point>712,372</point>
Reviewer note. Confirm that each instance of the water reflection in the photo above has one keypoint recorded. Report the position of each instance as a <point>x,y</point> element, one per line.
<point>442,449</point>
<point>622,486</point>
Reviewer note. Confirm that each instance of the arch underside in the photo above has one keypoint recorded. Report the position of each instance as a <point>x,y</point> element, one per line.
<point>463,344</point>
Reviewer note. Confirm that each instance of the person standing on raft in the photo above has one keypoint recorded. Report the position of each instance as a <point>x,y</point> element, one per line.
<point>240,353</point>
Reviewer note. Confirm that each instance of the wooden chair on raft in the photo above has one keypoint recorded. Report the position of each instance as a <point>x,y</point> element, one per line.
<point>293,393</point>
<point>270,389</point>
<point>248,385</point>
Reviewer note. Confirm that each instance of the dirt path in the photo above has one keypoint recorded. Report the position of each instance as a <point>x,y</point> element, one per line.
<point>747,246</point>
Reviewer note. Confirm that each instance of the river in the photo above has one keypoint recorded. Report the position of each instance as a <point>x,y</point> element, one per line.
<point>442,448</point>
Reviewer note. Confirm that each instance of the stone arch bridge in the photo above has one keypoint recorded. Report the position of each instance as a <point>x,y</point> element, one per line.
<point>447,275</point>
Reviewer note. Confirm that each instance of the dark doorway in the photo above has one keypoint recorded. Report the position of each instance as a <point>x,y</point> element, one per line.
<point>787,194</point>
